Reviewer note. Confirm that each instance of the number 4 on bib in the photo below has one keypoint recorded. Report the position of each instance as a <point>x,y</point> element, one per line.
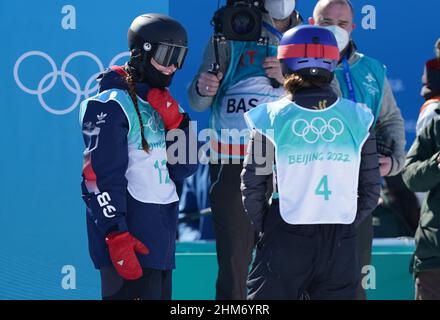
<point>322,188</point>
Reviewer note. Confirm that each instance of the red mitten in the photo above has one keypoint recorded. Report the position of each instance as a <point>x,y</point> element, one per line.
<point>122,248</point>
<point>168,108</point>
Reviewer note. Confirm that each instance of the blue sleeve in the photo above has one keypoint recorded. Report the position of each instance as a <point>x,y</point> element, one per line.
<point>105,128</point>
<point>188,159</point>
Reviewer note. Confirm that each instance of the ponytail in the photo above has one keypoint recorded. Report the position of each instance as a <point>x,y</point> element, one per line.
<point>293,82</point>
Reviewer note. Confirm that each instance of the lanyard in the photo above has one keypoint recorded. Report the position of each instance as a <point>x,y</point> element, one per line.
<point>272,30</point>
<point>348,80</point>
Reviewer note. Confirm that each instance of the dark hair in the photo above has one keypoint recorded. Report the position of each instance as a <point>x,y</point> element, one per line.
<point>295,81</point>
<point>132,92</point>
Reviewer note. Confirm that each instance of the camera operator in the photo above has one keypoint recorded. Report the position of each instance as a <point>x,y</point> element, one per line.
<point>247,74</point>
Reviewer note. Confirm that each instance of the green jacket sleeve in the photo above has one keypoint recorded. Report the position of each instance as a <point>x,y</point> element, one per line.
<point>421,171</point>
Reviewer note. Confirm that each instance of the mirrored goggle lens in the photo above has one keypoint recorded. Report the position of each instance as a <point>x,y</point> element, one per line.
<point>167,55</point>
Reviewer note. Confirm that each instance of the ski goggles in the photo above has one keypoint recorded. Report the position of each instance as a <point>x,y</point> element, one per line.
<point>169,54</point>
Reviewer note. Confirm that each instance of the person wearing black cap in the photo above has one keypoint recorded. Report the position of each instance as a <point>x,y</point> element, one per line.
<point>430,90</point>
<point>128,183</point>
<point>422,174</point>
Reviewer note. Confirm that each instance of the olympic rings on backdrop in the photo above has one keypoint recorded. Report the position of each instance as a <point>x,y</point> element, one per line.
<point>48,81</point>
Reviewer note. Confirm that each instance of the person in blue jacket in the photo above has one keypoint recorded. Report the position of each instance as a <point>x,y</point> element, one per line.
<point>128,182</point>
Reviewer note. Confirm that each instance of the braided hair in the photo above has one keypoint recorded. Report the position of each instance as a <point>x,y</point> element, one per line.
<point>132,92</point>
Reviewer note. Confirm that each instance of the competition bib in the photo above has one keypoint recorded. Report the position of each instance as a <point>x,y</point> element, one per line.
<point>244,96</point>
<point>244,87</point>
<point>317,158</point>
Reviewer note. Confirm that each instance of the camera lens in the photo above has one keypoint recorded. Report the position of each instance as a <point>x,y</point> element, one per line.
<point>242,23</point>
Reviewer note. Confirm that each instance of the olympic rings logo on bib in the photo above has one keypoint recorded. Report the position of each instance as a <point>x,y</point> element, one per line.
<point>70,82</point>
<point>154,121</point>
<point>318,129</point>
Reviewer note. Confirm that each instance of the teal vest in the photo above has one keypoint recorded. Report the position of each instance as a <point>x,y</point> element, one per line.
<point>368,78</point>
<point>317,156</point>
<point>244,86</point>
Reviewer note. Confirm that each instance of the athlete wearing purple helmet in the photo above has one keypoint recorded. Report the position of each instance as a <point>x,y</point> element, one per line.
<point>318,152</point>
<point>310,52</point>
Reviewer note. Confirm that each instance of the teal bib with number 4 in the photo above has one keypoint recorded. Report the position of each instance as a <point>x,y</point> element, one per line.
<point>317,156</point>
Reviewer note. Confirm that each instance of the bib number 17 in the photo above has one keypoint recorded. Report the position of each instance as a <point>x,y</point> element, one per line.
<point>160,167</point>
<point>322,188</point>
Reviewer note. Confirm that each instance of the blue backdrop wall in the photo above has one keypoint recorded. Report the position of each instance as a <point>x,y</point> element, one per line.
<point>52,51</point>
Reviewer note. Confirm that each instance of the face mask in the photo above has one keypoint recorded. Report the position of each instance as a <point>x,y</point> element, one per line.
<point>146,72</point>
<point>155,78</point>
<point>341,35</point>
<point>280,9</point>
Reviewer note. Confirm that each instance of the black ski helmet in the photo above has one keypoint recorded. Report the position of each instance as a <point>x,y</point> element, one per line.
<point>159,37</point>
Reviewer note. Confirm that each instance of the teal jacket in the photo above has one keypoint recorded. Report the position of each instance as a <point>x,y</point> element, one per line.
<point>373,88</point>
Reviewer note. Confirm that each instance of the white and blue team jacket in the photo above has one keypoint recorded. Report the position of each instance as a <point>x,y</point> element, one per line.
<point>125,188</point>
